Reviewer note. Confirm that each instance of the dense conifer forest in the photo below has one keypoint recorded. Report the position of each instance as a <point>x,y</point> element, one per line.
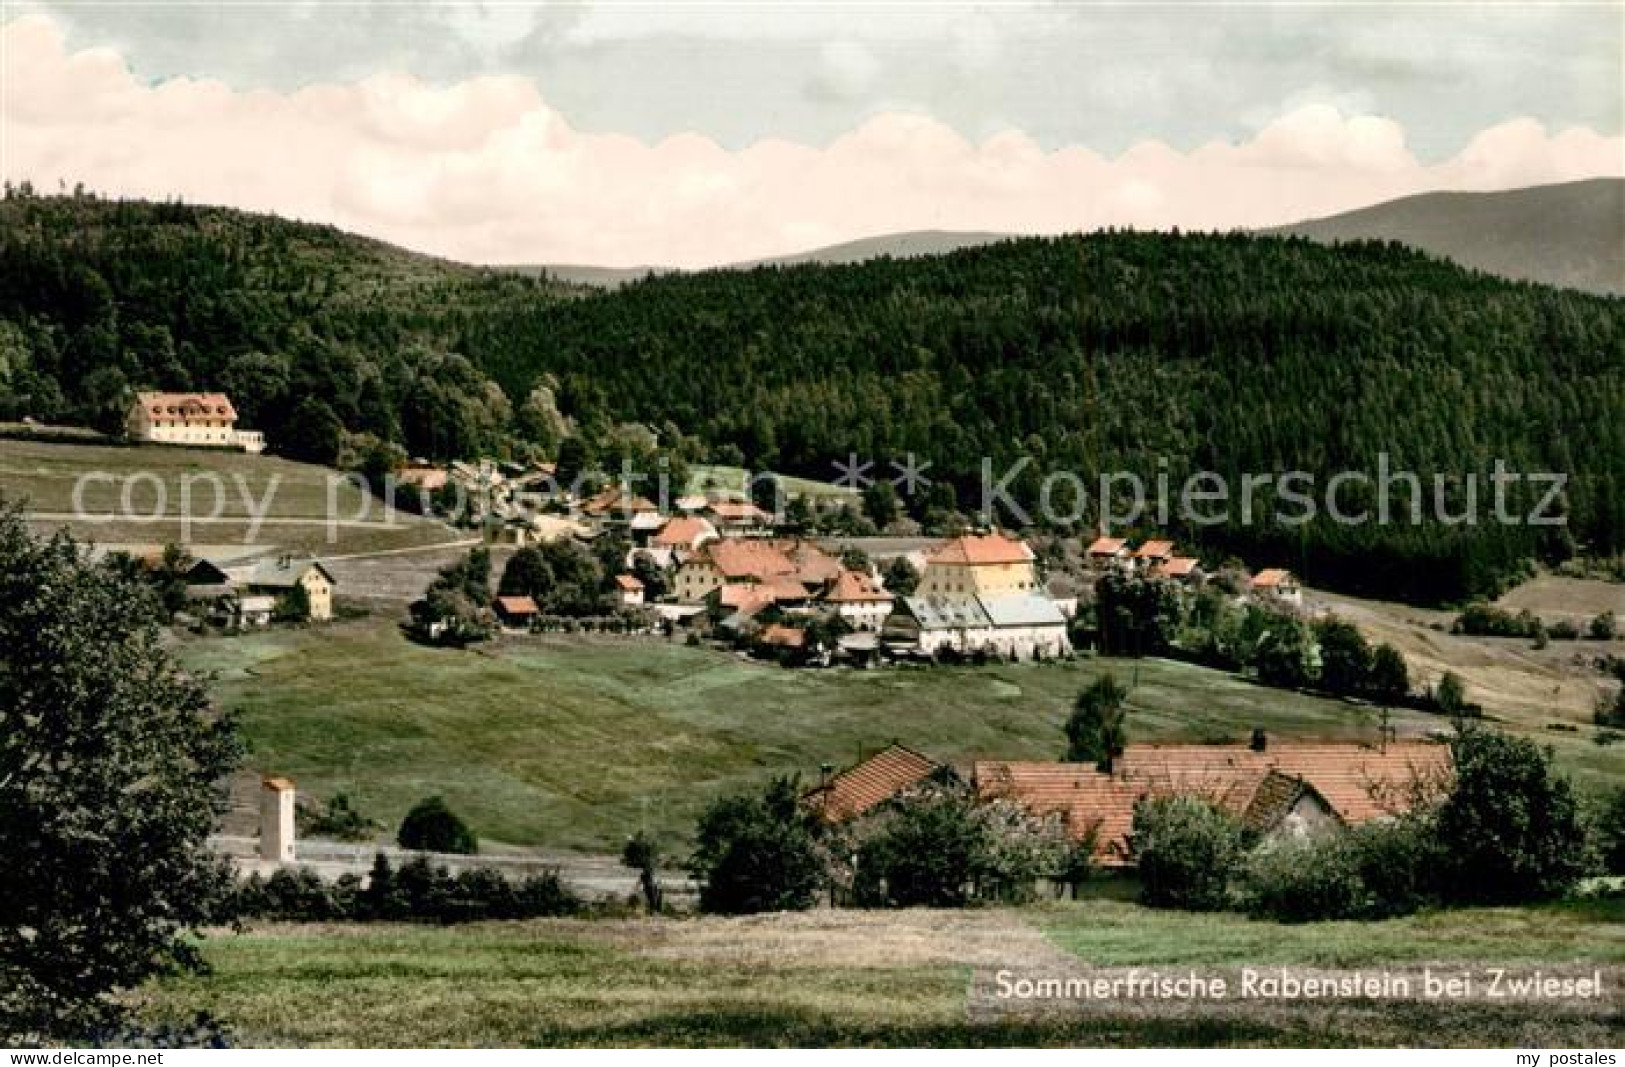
<point>1155,353</point>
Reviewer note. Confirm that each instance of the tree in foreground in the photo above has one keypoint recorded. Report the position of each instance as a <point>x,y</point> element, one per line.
<point>757,853</point>
<point>431,826</point>
<point>1095,732</point>
<point>1510,826</point>
<point>928,855</point>
<point>109,768</point>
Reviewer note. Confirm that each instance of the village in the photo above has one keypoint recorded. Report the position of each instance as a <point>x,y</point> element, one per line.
<point>715,567</point>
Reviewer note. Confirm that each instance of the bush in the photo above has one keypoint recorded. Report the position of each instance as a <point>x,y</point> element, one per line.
<point>1608,829</point>
<point>1187,849</point>
<point>433,827</point>
<point>757,853</point>
<point>339,821</point>
<point>1604,627</point>
<point>1374,871</point>
<point>1563,630</point>
<point>1306,880</point>
<point>927,855</point>
<point>1482,619</point>
<point>1509,830</point>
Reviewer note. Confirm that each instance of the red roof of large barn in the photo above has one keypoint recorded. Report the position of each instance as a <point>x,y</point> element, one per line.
<point>981,548</point>
<point>871,782</point>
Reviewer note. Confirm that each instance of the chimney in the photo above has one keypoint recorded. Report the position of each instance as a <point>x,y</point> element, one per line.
<point>1259,742</point>
<point>276,820</point>
<point>825,772</point>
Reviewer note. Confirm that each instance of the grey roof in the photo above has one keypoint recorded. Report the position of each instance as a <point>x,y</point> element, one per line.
<point>946,613</point>
<point>1022,609</point>
<point>283,572</point>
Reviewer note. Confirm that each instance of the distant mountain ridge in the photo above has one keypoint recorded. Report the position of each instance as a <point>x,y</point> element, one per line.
<point>1570,235</point>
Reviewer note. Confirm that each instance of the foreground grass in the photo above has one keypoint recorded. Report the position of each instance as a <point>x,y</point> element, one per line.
<point>850,978</point>
<point>575,741</point>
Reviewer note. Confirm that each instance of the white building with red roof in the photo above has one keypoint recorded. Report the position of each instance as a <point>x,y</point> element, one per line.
<point>196,419</point>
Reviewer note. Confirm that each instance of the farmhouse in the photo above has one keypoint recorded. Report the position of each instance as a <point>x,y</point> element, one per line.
<point>517,611</point>
<point>731,561</point>
<point>199,419</point>
<point>858,598</point>
<point>1277,583</point>
<point>277,577</point>
<point>1108,551</point>
<point>1153,554</point>
<point>737,518</point>
<point>1281,790</point>
<point>869,783</point>
<point>628,591</point>
<point>685,532</point>
<point>1178,568</point>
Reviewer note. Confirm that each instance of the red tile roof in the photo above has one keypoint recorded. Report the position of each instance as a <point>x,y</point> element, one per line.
<point>1177,567</point>
<point>1107,546</point>
<point>870,783</point>
<point>187,406</point>
<point>430,478</point>
<point>685,531</point>
<point>628,583</point>
<point>1356,782</point>
<point>517,605</point>
<point>617,499</point>
<point>854,587</point>
<point>1155,550</point>
<point>1272,578</point>
<point>783,636</point>
<point>737,511</point>
<point>981,549</point>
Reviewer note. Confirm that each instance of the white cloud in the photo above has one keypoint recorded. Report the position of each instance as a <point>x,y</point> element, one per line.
<point>484,170</point>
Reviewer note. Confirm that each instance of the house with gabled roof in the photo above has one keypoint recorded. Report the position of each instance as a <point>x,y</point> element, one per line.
<point>277,576</point>
<point>1278,583</point>
<point>1289,789</point>
<point>869,783</point>
<point>856,597</point>
<point>1108,552</point>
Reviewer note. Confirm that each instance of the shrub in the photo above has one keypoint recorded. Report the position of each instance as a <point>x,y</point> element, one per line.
<point>340,821</point>
<point>1509,830</point>
<point>1400,861</point>
<point>926,855</point>
<point>757,853</point>
<point>1306,880</point>
<point>1563,630</point>
<point>1482,619</point>
<point>1608,829</point>
<point>1604,627</point>
<point>1187,849</point>
<point>433,827</point>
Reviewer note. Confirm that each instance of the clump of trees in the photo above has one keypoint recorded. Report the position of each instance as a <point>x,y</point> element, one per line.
<point>417,891</point>
<point>431,826</point>
<point>108,752</point>
<point>563,577</point>
<point>456,608</point>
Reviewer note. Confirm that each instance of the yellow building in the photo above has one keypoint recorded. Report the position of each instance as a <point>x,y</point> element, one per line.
<point>989,565</point>
<point>275,577</point>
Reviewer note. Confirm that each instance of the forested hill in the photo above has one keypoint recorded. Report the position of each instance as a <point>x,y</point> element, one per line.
<point>309,328</point>
<point>1239,354</point>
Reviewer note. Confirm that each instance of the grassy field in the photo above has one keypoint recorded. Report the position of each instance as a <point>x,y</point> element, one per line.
<point>855,978</point>
<point>575,741</point>
<point>707,476</point>
<point>226,490</point>
<point>1532,687</point>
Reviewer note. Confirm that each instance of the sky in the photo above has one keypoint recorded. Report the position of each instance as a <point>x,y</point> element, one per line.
<point>692,134</point>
